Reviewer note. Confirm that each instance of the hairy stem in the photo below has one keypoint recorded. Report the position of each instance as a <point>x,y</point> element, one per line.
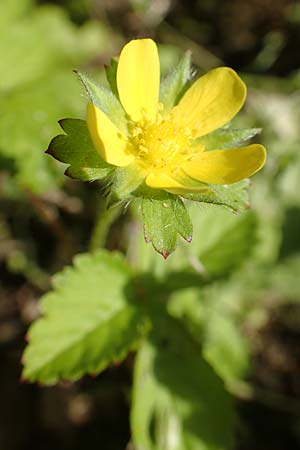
<point>106,217</point>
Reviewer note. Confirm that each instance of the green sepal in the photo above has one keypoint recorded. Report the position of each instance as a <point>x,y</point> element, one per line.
<point>90,319</point>
<point>175,83</point>
<point>165,216</point>
<point>105,100</point>
<point>234,197</point>
<point>76,149</point>
<point>111,75</point>
<point>227,138</point>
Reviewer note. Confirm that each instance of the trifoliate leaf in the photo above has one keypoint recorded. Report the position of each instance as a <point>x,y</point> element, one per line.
<point>165,216</point>
<point>105,100</point>
<point>227,138</point>
<point>88,321</point>
<point>234,196</point>
<point>174,84</point>
<point>179,403</point>
<point>76,149</point>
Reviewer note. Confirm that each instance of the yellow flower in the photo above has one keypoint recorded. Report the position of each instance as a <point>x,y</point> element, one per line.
<point>163,144</point>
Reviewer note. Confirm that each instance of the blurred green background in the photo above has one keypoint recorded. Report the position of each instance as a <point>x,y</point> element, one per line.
<point>46,218</point>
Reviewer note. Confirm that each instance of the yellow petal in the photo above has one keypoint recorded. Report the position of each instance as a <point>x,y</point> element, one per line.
<point>168,183</point>
<point>138,79</point>
<point>108,140</point>
<point>212,101</point>
<point>226,166</point>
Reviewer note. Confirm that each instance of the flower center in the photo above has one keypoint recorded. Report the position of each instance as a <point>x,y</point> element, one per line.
<point>160,144</point>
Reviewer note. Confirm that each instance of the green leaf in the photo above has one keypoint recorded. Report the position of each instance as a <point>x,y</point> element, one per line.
<point>222,241</point>
<point>210,320</point>
<point>174,84</point>
<point>105,100</point>
<point>234,196</point>
<point>179,403</point>
<point>88,321</point>
<point>225,348</point>
<point>165,216</point>
<point>111,75</point>
<point>76,149</point>
<point>187,305</point>
<point>227,138</point>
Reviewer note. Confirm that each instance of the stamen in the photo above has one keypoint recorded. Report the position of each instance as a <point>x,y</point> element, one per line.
<point>161,144</point>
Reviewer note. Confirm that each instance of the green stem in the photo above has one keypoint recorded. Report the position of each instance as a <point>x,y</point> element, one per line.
<point>106,216</point>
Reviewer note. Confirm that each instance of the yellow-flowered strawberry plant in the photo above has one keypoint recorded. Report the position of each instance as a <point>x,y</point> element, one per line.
<point>162,143</point>
<point>162,149</point>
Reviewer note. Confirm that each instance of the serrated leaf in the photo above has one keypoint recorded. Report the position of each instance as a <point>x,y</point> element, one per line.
<point>234,196</point>
<point>76,149</point>
<point>179,403</point>
<point>222,241</point>
<point>227,138</point>
<point>89,321</point>
<point>165,216</point>
<point>174,84</point>
<point>105,100</point>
